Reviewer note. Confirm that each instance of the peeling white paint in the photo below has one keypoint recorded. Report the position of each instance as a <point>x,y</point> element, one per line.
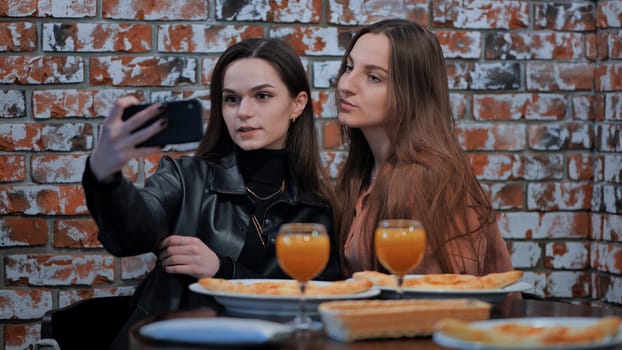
<point>525,254</point>
<point>575,257</point>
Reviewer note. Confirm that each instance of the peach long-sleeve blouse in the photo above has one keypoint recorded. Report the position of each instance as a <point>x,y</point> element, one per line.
<point>489,246</point>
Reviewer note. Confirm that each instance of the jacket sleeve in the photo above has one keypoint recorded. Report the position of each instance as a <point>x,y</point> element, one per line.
<point>132,221</point>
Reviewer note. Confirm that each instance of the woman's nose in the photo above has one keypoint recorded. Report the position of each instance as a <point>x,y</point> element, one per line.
<point>246,109</point>
<point>345,84</point>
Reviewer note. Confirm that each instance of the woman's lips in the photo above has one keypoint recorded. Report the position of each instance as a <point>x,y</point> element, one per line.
<point>346,106</point>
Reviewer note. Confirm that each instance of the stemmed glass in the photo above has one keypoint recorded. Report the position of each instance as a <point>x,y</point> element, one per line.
<point>302,250</point>
<point>400,244</point>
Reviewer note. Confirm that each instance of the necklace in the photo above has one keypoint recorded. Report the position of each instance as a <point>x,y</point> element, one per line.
<point>259,229</point>
<point>254,219</point>
<point>268,196</point>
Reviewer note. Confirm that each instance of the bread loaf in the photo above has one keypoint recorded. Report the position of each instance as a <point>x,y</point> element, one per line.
<point>364,319</point>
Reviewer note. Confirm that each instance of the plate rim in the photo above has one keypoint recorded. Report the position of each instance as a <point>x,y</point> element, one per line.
<point>580,321</point>
<point>197,288</point>
<point>275,331</point>
<point>518,286</point>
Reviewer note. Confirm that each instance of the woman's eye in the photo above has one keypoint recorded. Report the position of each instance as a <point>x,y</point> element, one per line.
<point>230,99</point>
<point>373,78</point>
<point>348,68</point>
<point>263,96</point>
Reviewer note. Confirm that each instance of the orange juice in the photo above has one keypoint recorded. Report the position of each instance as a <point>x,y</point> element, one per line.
<point>301,255</point>
<point>400,249</point>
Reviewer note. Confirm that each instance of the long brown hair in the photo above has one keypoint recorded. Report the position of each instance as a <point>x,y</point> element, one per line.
<point>427,176</point>
<point>302,145</point>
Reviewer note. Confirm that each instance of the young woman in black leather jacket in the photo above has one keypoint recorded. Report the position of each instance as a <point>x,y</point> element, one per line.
<point>216,213</point>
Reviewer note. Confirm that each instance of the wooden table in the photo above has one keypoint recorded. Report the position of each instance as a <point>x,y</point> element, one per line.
<point>318,340</point>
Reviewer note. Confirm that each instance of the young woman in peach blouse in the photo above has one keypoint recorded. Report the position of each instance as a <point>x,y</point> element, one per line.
<point>404,160</point>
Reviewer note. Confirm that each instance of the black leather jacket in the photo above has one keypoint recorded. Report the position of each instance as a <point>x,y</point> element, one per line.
<point>195,197</point>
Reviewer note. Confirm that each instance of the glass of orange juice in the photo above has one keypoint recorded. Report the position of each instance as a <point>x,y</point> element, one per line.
<point>302,250</point>
<point>400,244</point>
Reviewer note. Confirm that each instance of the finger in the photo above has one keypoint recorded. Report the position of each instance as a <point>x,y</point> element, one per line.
<point>120,105</point>
<point>141,117</point>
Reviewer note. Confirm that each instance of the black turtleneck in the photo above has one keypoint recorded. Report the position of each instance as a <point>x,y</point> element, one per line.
<point>263,171</point>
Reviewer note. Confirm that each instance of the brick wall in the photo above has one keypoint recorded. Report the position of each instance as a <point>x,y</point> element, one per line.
<point>536,87</point>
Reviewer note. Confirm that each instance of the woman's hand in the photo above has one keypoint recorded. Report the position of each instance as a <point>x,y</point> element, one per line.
<point>117,144</point>
<point>189,256</point>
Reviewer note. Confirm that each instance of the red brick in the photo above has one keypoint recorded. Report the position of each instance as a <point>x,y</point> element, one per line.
<point>12,104</point>
<point>607,257</point>
<point>460,44</point>
<point>609,14</point>
<point>567,284</point>
<point>459,105</point>
<point>567,255</point>
<point>608,77</point>
<point>609,288</point>
<point>519,106</point>
<point>526,46</point>
<point>32,70</point>
<point>57,168</point>
<point>70,296</point>
<point>553,137</point>
<point>83,103</point>
<point>21,336</point>
<point>313,41</point>
<point>12,168</point>
<point>25,304</point>
<point>497,137</point>
<point>96,37</point>
<point>20,137</point>
<point>559,196</point>
<point>75,233</point>
<point>300,11</point>
<point>559,76</point>
<point>158,10</point>
<point>558,16</point>
<point>18,37</point>
<point>608,138</point>
<point>59,270</point>
<point>348,12</point>
<point>47,200</point>
<point>492,14</point>
<point>613,45</point>
<point>203,38</point>
<point>142,71</point>
<point>580,167</point>
<point>506,195</point>
<point>613,107</point>
<point>20,231</point>
<point>332,136</point>
<point>588,107</point>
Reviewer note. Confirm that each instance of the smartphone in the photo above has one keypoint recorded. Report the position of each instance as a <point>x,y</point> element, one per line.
<point>184,122</point>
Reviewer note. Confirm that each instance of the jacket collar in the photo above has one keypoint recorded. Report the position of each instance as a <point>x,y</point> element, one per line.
<point>228,180</point>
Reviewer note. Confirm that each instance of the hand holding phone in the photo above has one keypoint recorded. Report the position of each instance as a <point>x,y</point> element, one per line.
<point>184,122</point>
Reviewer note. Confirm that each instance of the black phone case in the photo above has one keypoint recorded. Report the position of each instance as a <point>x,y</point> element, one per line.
<point>184,123</point>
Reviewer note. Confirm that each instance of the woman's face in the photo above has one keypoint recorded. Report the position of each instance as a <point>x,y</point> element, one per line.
<point>363,87</point>
<point>256,105</point>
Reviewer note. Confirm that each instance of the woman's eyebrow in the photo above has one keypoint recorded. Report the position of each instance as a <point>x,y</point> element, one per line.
<point>369,66</point>
<point>254,88</point>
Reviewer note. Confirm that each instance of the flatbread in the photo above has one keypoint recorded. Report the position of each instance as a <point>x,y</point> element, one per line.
<point>445,281</point>
<point>285,287</point>
<point>521,334</point>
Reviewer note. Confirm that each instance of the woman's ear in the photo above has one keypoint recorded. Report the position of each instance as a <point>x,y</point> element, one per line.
<point>299,105</point>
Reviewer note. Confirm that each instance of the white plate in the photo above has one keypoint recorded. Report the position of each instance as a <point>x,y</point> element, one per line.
<point>217,331</point>
<point>579,322</point>
<point>269,305</point>
<point>487,295</point>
